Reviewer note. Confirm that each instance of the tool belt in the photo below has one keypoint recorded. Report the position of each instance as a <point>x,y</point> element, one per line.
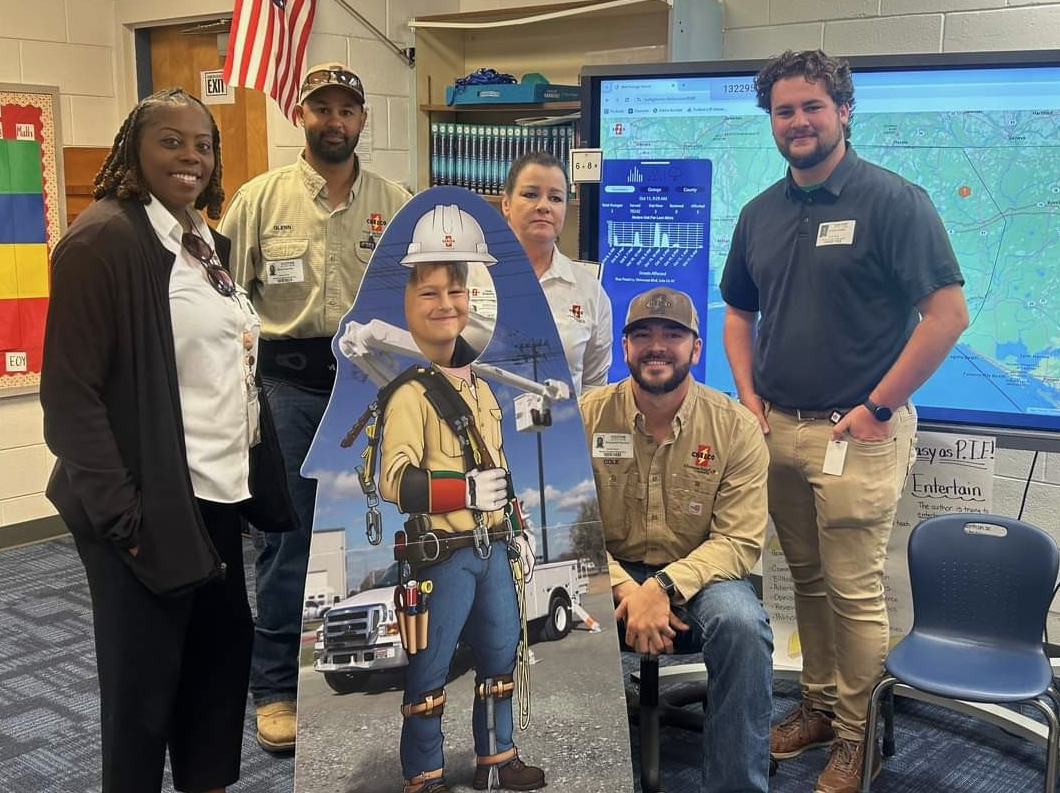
<point>306,363</point>
<point>423,548</point>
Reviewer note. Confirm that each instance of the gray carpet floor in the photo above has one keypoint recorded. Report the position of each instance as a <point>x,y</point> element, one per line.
<point>49,715</point>
<point>49,696</point>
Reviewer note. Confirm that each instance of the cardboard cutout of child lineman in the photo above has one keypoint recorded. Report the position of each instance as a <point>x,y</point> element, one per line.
<point>430,462</point>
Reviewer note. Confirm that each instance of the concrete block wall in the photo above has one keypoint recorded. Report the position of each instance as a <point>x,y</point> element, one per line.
<point>69,44</point>
<point>761,28</point>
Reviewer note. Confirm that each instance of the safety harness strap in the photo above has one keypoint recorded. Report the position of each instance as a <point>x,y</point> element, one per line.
<point>432,705</point>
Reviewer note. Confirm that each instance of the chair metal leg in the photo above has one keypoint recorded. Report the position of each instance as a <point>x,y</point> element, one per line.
<point>649,724</point>
<point>887,706</point>
<point>1052,748</point>
<point>868,748</point>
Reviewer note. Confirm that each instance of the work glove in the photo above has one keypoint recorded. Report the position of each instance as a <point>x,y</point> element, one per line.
<point>486,490</point>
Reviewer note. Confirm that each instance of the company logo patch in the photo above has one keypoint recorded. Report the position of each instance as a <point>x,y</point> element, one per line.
<point>703,456</point>
<point>376,223</point>
<point>576,311</point>
<point>448,241</point>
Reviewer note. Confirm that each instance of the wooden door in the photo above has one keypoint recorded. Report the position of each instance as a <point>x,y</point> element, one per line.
<point>177,59</point>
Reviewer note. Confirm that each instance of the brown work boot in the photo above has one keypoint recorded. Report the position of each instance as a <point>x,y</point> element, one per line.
<point>426,782</point>
<point>277,723</point>
<point>843,772</point>
<point>434,787</point>
<point>513,775</point>
<point>804,728</point>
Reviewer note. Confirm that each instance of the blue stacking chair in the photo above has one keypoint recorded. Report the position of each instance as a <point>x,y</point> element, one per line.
<point>982,585</point>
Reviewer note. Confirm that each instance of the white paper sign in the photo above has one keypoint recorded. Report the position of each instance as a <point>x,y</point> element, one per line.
<point>214,90</point>
<point>16,362</point>
<point>585,165</point>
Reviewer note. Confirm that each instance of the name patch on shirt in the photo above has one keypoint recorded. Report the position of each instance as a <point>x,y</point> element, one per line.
<point>483,301</point>
<point>284,271</point>
<point>613,445</point>
<point>836,232</point>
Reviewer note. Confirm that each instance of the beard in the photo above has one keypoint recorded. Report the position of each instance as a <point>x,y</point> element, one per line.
<point>814,157</point>
<point>327,151</point>
<point>659,386</point>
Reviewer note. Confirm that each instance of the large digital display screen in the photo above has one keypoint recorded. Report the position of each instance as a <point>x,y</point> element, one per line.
<point>685,150</point>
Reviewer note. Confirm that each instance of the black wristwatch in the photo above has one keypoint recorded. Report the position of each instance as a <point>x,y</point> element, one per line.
<point>666,584</point>
<point>879,412</point>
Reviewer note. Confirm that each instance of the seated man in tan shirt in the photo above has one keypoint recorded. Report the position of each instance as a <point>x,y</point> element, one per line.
<point>681,474</point>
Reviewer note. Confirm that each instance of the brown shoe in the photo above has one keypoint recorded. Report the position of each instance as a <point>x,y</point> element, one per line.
<point>513,775</point>
<point>803,729</point>
<point>435,787</point>
<point>843,772</point>
<point>277,723</point>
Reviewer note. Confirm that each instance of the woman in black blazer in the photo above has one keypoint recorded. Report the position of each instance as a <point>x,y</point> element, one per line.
<point>151,406</point>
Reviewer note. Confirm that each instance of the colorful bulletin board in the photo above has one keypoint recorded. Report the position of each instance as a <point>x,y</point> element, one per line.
<point>32,216</point>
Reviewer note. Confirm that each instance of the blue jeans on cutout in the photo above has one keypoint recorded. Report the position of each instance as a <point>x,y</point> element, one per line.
<point>473,598</point>
<point>283,558</point>
<point>730,628</point>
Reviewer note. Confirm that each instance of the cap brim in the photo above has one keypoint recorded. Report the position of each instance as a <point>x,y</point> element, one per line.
<point>636,322</point>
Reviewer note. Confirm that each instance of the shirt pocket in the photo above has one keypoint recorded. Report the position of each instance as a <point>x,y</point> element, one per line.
<point>689,505</point>
<point>447,443</point>
<point>278,263</point>
<point>619,508</point>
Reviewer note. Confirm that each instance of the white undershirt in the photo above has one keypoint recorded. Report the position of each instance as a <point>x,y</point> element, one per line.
<point>214,369</point>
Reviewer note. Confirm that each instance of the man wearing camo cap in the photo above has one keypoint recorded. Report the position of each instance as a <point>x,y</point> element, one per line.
<point>681,471</point>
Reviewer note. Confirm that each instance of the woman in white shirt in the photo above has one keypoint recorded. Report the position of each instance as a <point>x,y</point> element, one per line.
<point>535,205</point>
<point>163,447</point>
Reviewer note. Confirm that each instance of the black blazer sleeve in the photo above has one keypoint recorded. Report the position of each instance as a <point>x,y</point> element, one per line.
<point>79,339</point>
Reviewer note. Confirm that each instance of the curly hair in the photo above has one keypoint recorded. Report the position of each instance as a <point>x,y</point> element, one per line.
<point>120,175</point>
<point>814,66</point>
<point>542,158</point>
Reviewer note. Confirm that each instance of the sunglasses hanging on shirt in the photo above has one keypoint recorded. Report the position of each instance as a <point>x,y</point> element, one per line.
<point>216,274</point>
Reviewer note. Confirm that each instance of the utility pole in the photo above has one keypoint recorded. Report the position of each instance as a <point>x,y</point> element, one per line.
<point>531,349</point>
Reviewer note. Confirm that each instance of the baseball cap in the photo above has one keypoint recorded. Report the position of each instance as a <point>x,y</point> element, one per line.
<point>663,304</point>
<point>333,73</point>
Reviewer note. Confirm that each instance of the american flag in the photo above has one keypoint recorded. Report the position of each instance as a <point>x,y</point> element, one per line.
<point>266,48</point>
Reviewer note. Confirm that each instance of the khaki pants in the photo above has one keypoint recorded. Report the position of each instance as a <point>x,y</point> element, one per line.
<point>834,532</point>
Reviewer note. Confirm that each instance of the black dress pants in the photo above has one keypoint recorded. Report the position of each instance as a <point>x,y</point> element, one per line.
<point>173,671</point>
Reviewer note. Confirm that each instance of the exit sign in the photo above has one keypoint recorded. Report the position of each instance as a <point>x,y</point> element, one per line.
<point>215,91</point>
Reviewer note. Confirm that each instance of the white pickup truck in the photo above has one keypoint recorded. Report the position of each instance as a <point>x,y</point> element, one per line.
<point>359,635</point>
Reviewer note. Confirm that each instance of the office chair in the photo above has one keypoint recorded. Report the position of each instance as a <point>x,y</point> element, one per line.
<point>981,586</point>
<point>651,710</point>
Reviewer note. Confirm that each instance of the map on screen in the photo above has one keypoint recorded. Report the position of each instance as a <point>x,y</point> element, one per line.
<point>684,153</point>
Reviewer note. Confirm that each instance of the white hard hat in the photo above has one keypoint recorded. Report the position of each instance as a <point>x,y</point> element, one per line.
<point>447,234</point>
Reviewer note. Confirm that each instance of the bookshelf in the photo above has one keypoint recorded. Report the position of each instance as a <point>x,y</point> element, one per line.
<point>555,40</point>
